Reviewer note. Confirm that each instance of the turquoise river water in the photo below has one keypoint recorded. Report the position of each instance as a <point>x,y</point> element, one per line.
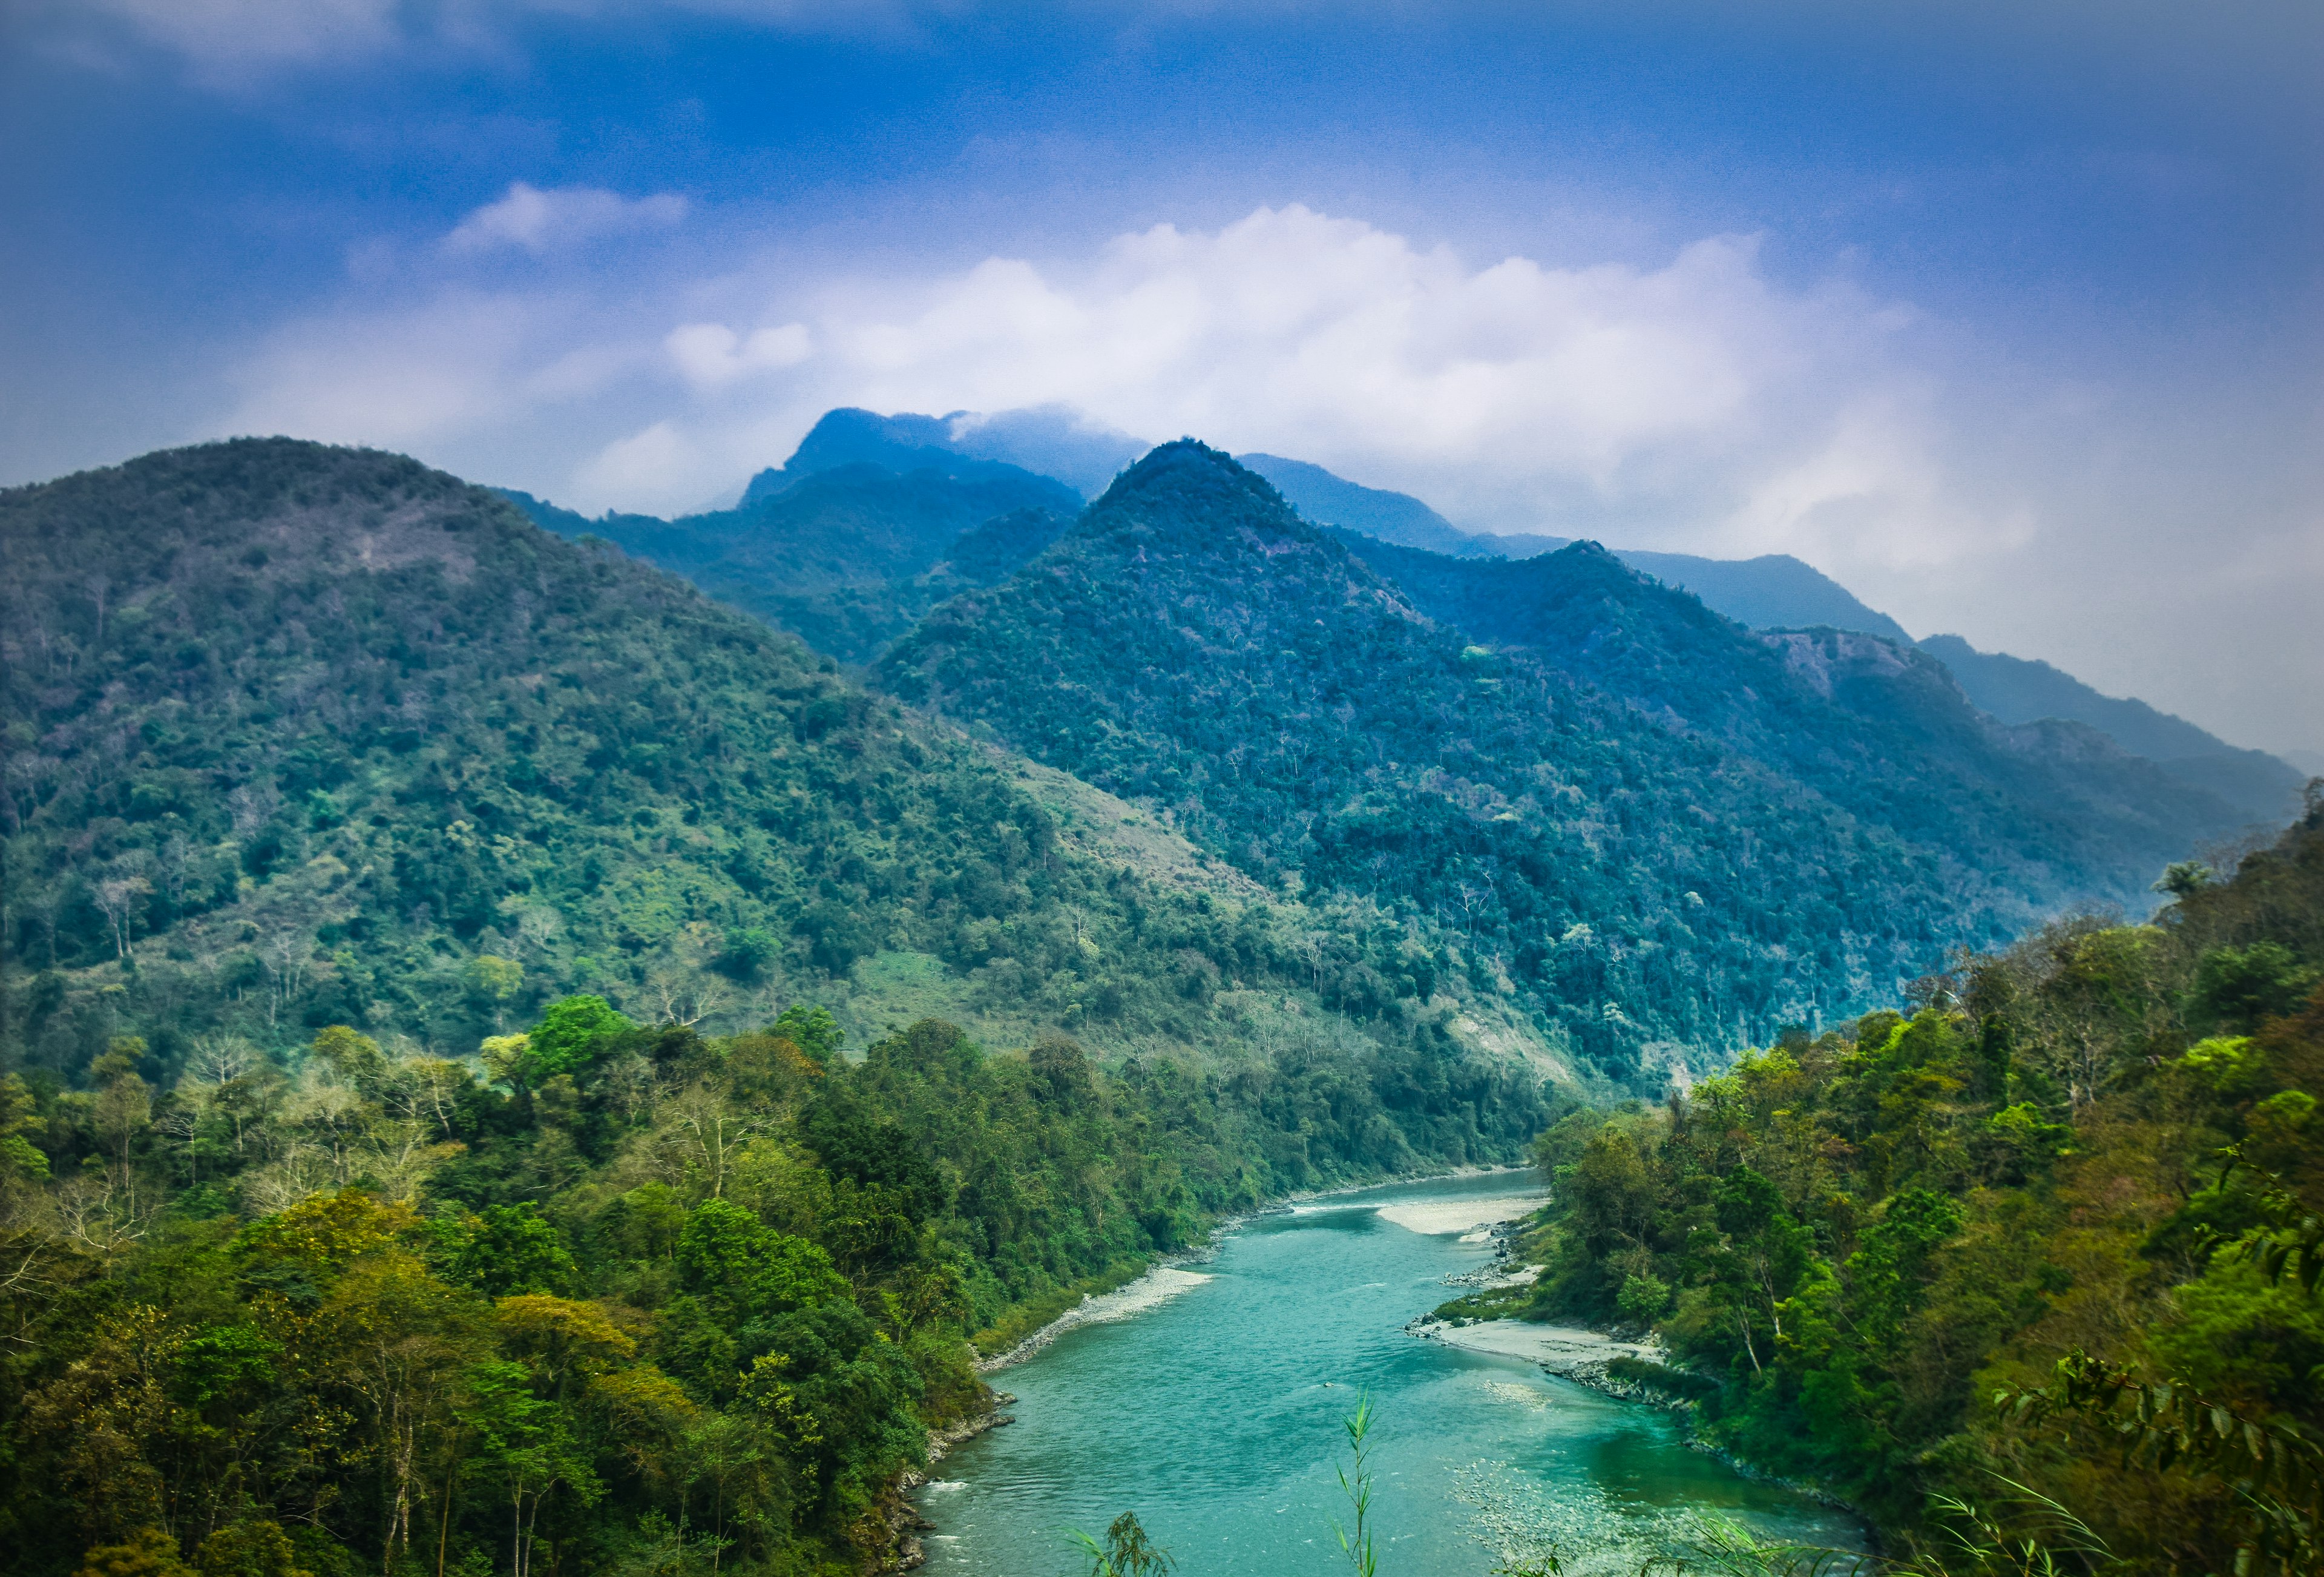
<point>1215,1415</point>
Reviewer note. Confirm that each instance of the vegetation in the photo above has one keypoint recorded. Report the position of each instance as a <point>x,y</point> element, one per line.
<point>2081,1177</point>
<point>1637,888</point>
<point>629,1300</point>
<point>414,1154</point>
<point>303,736</point>
<point>418,1152</point>
<point>2047,811</point>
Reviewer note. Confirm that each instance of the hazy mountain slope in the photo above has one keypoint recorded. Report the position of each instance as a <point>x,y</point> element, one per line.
<point>846,559</point>
<point>1192,643</point>
<point>1878,728</point>
<point>1772,592</point>
<point>304,735</point>
<point>904,443</point>
<point>2017,689</point>
<point>1390,517</point>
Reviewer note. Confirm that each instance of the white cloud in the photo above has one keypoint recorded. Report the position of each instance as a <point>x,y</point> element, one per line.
<point>540,221</point>
<point>712,355</point>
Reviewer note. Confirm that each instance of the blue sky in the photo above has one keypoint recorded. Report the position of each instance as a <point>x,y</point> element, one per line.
<point>2008,317</point>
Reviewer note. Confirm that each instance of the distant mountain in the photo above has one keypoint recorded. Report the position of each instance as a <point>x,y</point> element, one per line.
<point>1772,592</point>
<point>1628,875</point>
<point>1390,517</point>
<point>847,556</point>
<point>1053,440</point>
<point>1872,725</point>
<point>2017,689</point>
<point>1019,446</point>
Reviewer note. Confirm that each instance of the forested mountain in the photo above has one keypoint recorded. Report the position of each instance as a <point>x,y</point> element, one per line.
<point>847,558</point>
<point>1192,643</point>
<point>2017,690</point>
<point>1876,728</point>
<point>2081,1177</point>
<point>303,736</point>
<point>352,1224</point>
<point>1773,591</point>
<point>904,443</point>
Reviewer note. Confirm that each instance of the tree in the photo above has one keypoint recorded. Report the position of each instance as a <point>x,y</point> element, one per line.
<point>496,981</point>
<point>147,1552</point>
<point>525,1446</point>
<point>570,1036</point>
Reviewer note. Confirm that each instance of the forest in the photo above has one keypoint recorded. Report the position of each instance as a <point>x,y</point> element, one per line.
<point>1635,881</point>
<point>467,1104</point>
<point>2043,1242</point>
<point>624,1300</point>
<point>423,1150</point>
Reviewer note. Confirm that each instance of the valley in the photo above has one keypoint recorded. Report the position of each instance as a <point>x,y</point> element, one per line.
<point>577,1035</point>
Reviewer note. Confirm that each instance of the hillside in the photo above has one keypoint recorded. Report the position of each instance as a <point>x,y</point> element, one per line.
<point>2017,690</point>
<point>847,558</point>
<point>2083,1167</point>
<point>305,736</point>
<point>1879,729</point>
<point>1772,592</point>
<point>1191,643</point>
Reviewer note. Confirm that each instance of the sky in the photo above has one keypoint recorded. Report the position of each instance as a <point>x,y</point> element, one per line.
<point>2009,318</point>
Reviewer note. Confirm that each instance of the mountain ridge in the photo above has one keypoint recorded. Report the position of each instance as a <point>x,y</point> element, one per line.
<point>1375,751</point>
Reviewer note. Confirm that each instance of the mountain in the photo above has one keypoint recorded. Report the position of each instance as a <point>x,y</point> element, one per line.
<point>469,979</point>
<point>1629,880</point>
<point>1772,592</point>
<point>303,736</point>
<point>2018,691</point>
<point>847,558</point>
<point>1876,728</point>
<point>904,443</point>
<point>1391,517</point>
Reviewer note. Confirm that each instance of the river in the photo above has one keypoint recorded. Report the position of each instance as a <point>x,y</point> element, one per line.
<point>1215,1415</point>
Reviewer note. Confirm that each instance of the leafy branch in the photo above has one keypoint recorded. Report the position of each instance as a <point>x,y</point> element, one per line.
<point>2274,1469</point>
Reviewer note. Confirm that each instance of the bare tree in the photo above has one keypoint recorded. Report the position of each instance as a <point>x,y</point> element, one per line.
<point>117,900</point>
<point>701,1134</point>
<point>285,955</point>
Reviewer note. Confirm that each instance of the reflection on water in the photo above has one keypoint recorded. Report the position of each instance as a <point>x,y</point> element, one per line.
<point>1216,1416</point>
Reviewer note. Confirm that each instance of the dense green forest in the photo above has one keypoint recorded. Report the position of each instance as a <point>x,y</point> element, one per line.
<point>415,1152</point>
<point>1635,884</point>
<point>2081,1177</point>
<point>622,1299</point>
<point>1876,727</point>
<point>302,736</point>
<point>465,1104</point>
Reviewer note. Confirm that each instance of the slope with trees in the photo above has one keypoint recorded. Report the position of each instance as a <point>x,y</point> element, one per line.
<point>2081,1177</point>
<point>1192,643</point>
<point>302,736</point>
<point>1873,726</point>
